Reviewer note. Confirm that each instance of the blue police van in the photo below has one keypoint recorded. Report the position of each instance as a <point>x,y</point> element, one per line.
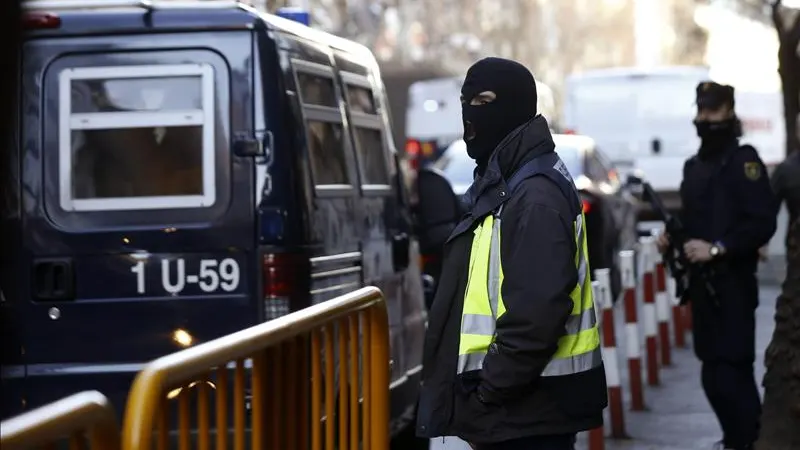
<point>183,170</point>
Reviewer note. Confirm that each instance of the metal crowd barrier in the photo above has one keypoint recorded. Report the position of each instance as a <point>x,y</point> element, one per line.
<point>83,421</point>
<point>275,400</point>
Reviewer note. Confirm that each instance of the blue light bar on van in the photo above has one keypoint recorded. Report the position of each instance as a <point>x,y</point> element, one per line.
<point>295,13</point>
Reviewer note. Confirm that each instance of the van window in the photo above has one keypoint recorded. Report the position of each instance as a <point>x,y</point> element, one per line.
<point>316,90</point>
<point>327,142</point>
<point>370,144</point>
<point>326,147</point>
<point>360,99</point>
<point>136,137</point>
<point>367,125</point>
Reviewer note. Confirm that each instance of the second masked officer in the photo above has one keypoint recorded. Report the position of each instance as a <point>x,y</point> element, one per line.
<point>728,210</point>
<point>512,353</point>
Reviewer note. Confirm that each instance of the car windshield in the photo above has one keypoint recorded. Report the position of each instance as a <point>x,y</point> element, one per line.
<point>456,165</point>
<point>572,159</point>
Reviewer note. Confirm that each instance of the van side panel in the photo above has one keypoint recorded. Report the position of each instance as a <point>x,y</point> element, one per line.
<point>281,194</point>
<point>11,349</point>
<point>114,322</point>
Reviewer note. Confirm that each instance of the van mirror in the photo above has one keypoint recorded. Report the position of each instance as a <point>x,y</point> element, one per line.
<point>438,209</point>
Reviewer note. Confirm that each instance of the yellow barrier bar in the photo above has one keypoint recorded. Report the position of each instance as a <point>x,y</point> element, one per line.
<point>279,377</point>
<point>82,417</point>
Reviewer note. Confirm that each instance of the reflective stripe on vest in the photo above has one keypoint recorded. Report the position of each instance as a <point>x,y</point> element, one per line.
<point>578,350</point>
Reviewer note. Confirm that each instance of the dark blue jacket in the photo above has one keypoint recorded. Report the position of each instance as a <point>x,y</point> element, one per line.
<point>728,199</point>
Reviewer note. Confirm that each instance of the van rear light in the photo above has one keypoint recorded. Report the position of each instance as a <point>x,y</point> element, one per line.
<point>569,131</point>
<point>587,206</point>
<point>38,20</point>
<point>285,283</point>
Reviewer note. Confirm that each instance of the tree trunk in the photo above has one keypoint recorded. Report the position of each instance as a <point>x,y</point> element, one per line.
<point>781,411</point>
<point>788,68</point>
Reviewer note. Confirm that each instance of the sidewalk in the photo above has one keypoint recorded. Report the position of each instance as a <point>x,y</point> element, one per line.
<point>679,417</point>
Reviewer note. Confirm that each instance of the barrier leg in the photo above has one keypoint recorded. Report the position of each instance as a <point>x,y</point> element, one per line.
<point>649,310</point>
<point>662,309</point>
<point>633,353</point>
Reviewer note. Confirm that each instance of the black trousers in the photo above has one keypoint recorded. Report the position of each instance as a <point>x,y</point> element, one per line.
<point>552,442</point>
<point>724,340</point>
<point>732,391</point>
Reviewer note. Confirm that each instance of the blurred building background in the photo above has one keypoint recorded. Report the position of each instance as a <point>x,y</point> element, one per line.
<point>418,39</point>
<point>421,39</point>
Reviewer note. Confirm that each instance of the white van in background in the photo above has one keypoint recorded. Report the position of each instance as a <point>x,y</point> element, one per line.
<point>640,118</point>
<point>433,116</point>
<point>763,127</point>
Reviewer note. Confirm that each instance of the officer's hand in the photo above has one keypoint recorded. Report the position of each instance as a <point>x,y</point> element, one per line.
<point>662,242</point>
<point>697,250</point>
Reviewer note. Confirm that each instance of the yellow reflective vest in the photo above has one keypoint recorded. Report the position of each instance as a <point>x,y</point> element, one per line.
<point>578,350</point>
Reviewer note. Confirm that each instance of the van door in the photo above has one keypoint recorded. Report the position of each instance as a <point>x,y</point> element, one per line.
<point>139,224</point>
<point>386,238</point>
<point>332,217</point>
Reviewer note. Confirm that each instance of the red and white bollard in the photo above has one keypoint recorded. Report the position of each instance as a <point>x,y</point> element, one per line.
<point>615,404</point>
<point>597,436</point>
<point>687,315</point>
<point>662,310</point>
<point>678,319</point>
<point>597,439</point>
<point>646,245</point>
<point>633,353</point>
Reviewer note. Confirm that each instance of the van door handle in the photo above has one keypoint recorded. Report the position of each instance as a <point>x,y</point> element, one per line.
<point>53,280</point>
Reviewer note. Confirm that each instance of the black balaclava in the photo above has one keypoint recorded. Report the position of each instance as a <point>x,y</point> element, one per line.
<point>716,136</point>
<point>515,103</point>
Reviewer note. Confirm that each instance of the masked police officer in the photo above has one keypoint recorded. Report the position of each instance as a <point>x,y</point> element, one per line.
<point>512,353</point>
<point>728,210</point>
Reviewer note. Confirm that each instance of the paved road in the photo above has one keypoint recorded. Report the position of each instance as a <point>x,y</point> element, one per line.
<point>679,417</point>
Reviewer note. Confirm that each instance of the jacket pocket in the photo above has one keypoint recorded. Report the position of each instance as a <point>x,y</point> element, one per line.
<point>473,420</point>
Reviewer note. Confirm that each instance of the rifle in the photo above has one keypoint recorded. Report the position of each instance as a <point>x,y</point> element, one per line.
<point>678,264</point>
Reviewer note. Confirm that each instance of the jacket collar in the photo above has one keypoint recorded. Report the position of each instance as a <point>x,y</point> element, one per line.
<point>528,141</point>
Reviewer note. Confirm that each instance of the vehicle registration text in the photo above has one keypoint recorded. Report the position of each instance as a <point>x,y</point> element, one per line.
<point>213,275</point>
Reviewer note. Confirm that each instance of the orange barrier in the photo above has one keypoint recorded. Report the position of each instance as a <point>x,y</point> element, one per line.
<point>289,360</point>
<point>80,419</point>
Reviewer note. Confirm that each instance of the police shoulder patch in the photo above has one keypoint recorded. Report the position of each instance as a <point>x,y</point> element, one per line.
<point>752,170</point>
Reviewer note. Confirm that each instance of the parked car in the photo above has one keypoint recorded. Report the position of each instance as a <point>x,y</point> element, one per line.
<point>610,210</point>
<point>195,168</point>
